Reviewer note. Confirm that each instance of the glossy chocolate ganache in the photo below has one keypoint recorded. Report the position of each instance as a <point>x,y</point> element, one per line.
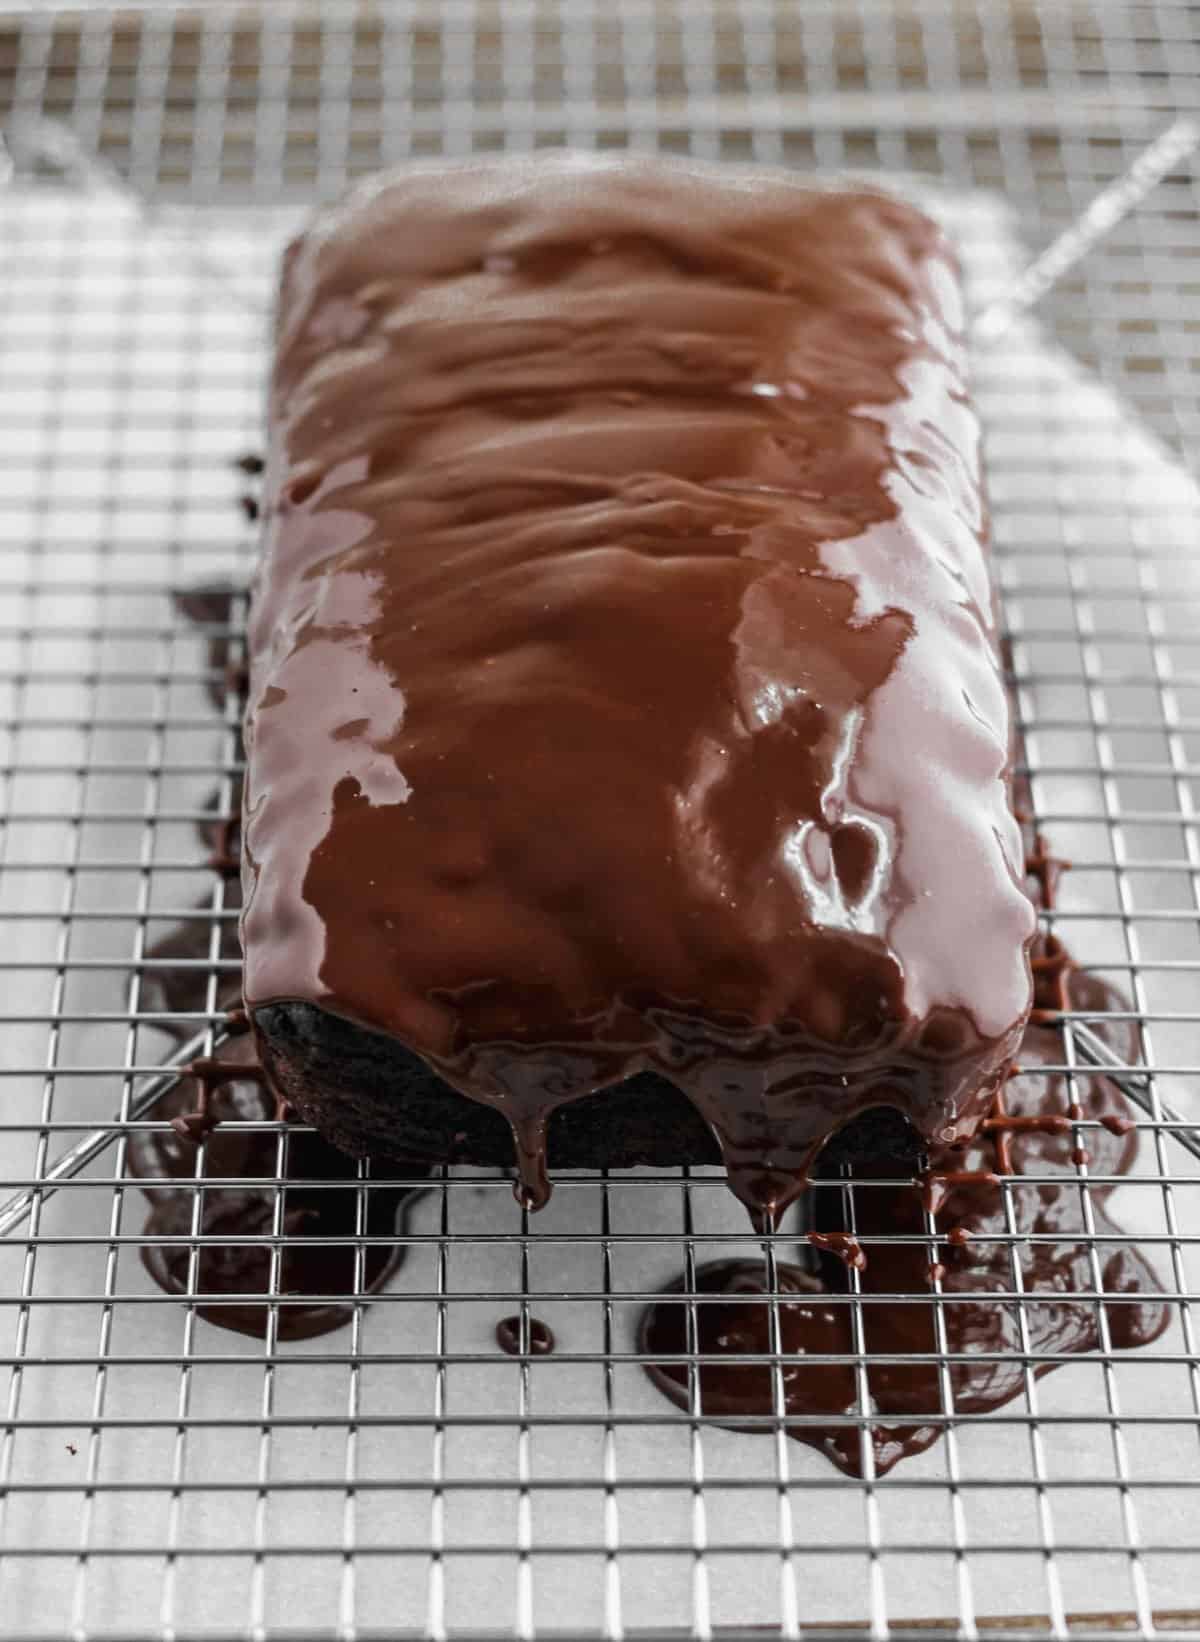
<point>624,699</point>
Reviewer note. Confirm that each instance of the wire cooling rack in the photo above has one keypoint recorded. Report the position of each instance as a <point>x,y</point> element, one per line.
<point>162,1477</point>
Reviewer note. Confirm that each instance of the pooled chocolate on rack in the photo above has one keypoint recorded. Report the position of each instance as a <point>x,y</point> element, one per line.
<point>272,1200</point>
<point>978,1206</point>
<point>957,1208</point>
<point>987,1204</point>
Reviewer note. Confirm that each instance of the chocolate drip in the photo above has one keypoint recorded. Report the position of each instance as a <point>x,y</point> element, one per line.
<point>1043,869</point>
<point>1049,959</point>
<point>844,1245</point>
<point>532,1186</point>
<point>1051,964</point>
<point>936,1185</point>
<point>509,1337</point>
<point>1003,1123</point>
<point>209,1074</point>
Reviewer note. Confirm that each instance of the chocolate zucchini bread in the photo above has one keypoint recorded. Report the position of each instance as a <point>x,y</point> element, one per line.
<point>628,752</point>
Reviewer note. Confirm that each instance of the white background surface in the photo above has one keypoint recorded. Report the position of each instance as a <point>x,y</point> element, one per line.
<point>131,382</point>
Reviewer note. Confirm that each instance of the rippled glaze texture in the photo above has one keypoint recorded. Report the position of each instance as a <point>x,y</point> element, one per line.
<point>623,685</point>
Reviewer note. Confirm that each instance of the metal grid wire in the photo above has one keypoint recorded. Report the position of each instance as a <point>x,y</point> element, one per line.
<point>161,1477</point>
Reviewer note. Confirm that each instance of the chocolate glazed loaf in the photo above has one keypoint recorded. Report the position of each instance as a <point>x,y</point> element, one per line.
<point>627,745</point>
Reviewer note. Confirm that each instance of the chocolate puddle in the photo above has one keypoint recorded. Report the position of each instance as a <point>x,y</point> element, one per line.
<point>508,1337</point>
<point>306,1266</point>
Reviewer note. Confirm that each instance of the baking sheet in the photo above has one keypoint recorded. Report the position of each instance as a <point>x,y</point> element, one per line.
<point>133,378</point>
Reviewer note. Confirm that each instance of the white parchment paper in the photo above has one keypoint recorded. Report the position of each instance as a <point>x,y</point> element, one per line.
<point>132,377</point>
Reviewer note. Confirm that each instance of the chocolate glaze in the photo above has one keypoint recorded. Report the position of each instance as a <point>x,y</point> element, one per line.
<point>508,1337</point>
<point>624,693</point>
